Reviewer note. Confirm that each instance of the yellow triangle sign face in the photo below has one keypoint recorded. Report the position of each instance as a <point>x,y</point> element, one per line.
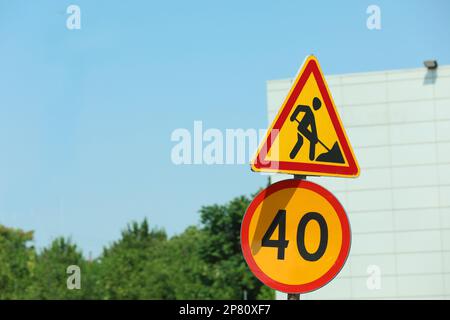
<point>307,137</point>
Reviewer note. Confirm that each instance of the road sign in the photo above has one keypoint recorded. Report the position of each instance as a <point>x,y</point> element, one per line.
<point>307,137</point>
<point>295,236</point>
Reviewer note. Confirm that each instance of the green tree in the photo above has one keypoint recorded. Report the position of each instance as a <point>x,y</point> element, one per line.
<point>17,258</point>
<point>132,268</point>
<point>185,265</point>
<point>228,275</point>
<point>49,279</point>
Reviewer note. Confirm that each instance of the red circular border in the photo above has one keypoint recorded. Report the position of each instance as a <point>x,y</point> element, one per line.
<point>345,246</point>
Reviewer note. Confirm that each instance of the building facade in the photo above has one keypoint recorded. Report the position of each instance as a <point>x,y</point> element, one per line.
<point>398,123</point>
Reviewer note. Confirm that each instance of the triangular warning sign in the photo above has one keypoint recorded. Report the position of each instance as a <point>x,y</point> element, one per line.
<point>307,137</point>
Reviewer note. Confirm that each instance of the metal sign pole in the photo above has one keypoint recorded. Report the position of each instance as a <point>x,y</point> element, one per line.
<point>293,296</point>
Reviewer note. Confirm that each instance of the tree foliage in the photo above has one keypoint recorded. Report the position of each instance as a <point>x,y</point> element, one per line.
<point>131,268</point>
<point>17,261</point>
<point>49,276</point>
<point>203,262</point>
<point>228,276</point>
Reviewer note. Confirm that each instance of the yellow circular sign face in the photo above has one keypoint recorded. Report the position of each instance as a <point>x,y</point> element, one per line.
<point>295,236</point>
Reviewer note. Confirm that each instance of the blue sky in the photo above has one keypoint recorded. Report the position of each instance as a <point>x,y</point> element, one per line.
<point>86,115</point>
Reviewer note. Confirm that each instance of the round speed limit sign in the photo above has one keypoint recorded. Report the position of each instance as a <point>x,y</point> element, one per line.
<point>295,236</point>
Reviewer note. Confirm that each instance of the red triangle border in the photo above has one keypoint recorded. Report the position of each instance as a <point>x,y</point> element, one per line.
<point>327,169</point>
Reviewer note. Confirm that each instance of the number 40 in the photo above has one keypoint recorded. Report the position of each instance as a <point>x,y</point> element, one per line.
<point>280,222</point>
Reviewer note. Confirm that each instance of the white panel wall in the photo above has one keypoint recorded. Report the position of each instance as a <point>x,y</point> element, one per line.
<point>399,208</point>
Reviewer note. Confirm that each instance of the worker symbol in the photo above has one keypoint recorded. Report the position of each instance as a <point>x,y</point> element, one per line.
<point>307,129</point>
